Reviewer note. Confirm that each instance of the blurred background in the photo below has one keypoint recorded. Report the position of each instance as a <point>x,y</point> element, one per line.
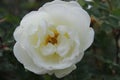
<point>100,62</point>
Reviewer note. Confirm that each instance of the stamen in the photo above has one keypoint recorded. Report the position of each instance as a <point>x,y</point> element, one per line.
<point>52,40</point>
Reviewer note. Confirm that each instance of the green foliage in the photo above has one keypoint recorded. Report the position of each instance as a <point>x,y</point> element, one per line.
<point>101,60</point>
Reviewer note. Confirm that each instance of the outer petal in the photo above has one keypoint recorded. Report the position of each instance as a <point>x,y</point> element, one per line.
<point>36,17</point>
<point>25,59</point>
<point>16,33</point>
<point>70,4</point>
<point>64,72</point>
<point>67,14</point>
<point>87,39</point>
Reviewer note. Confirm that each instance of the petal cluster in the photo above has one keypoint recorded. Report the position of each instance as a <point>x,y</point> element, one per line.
<point>53,39</point>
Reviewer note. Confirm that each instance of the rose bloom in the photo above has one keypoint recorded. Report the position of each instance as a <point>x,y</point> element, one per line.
<point>53,39</point>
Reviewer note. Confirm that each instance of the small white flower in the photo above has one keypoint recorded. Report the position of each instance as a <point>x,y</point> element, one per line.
<point>53,39</point>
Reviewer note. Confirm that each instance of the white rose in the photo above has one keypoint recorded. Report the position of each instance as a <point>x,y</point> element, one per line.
<point>53,39</point>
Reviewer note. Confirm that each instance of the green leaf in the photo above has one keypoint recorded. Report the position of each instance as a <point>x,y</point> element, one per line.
<point>81,2</point>
<point>116,12</point>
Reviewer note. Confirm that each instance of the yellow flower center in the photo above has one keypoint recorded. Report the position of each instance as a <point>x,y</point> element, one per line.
<point>52,39</point>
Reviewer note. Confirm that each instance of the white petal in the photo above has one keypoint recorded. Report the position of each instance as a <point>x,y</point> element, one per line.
<point>34,21</point>
<point>62,29</point>
<point>64,46</point>
<point>35,18</point>
<point>17,33</point>
<point>71,3</point>
<point>79,57</point>
<point>25,59</point>
<point>63,72</point>
<point>48,50</point>
<point>87,39</point>
<point>67,14</point>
